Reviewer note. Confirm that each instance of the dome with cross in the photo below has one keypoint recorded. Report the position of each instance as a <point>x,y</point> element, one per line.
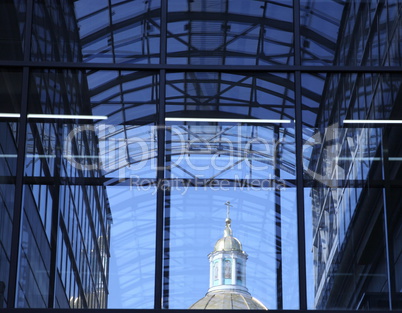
<point>227,279</point>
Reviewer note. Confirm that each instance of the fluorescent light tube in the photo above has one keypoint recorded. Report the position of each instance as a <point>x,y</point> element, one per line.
<point>10,115</point>
<point>223,120</point>
<point>65,116</point>
<point>57,116</point>
<point>372,121</point>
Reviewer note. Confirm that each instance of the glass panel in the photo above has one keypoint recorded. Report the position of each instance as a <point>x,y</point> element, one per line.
<point>118,31</point>
<point>348,174</point>
<point>132,276</point>
<point>218,32</point>
<point>10,95</point>
<point>226,95</point>
<point>264,222</point>
<point>86,162</point>
<point>8,162</point>
<point>346,213</point>
<point>207,165</point>
<point>12,29</point>
<point>55,32</point>
<point>98,171</point>
<point>369,32</point>
<point>319,27</point>
<point>10,102</point>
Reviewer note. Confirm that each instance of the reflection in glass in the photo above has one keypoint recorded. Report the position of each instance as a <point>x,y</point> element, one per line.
<point>13,28</point>
<point>321,69</point>
<point>230,32</point>
<point>10,100</point>
<point>132,262</point>
<point>8,168</point>
<point>350,169</point>
<point>228,95</point>
<point>119,31</point>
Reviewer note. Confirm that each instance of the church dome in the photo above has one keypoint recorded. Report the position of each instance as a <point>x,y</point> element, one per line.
<point>229,301</point>
<point>228,243</point>
<point>227,277</point>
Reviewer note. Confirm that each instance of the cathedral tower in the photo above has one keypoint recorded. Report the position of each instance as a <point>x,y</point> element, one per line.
<point>227,278</point>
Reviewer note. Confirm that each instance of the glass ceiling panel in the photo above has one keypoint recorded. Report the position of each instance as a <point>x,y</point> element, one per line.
<point>130,95</point>
<point>204,94</point>
<point>119,32</point>
<point>320,22</point>
<point>91,15</point>
<point>232,32</point>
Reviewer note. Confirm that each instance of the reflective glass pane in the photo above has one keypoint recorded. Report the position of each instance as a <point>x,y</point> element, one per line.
<point>368,33</point>
<point>227,95</point>
<point>351,162</point>
<point>10,102</point>
<point>12,29</point>
<point>85,154</point>
<point>55,32</point>
<point>118,31</point>
<point>230,32</point>
<point>209,164</point>
<point>132,246</point>
<point>177,158</point>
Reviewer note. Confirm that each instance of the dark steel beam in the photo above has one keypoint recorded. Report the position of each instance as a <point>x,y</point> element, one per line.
<point>12,286</point>
<point>203,68</point>
<point>159,300</point>
<point>301,233</point>
<point>61,310</point>
<point>388,240</point>
<point>278,225</point>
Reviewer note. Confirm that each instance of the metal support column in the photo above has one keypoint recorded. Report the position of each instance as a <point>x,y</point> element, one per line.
<point>389,251</point>
<point>160,175</point>
<point>19,183</point>
<point>160,196</point>
<point>278,224</point>
<point>55,218</point>
<point>301,240</point>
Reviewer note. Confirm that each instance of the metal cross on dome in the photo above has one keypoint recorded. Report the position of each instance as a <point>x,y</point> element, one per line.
<point>228,205</point>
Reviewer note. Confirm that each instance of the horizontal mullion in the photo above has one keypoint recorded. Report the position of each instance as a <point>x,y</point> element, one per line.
<point>199,68</point>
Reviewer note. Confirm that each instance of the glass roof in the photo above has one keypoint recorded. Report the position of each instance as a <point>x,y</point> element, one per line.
<point>209,32</point>
<point>200,32</point>
<point>205,32</point>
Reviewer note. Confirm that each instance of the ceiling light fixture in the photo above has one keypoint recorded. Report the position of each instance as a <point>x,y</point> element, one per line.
<point>224,120</point>
<point>66,116</point>
<point>56,116</point>
<point>10,115</point>
<point>372,121</point>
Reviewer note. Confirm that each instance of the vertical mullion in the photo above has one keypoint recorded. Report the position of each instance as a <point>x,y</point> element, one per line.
<point>19,182</point>
<point>389,251</point>
<point>160,175</point>
<point>278,224</point>
<point>301,241</point>
<point>166,238</point>
<point>55,220</point>
<point>160,195</point>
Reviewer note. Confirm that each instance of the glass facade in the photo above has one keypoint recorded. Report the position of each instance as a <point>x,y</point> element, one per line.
<point>126,126</point>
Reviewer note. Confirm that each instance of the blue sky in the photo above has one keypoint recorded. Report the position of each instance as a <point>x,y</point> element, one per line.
<point>197,222</point>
